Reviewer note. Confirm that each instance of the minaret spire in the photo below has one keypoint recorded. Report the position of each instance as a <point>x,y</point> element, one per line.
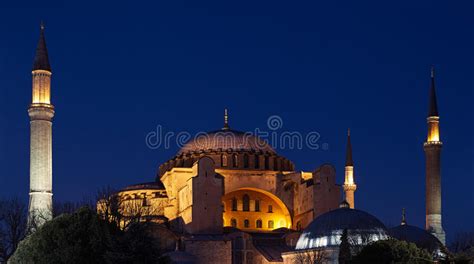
<point>41,61</point>
<point>349,184</point>
<point>226,120</point>
<point>41,113</point>
<point>404,220</point>
<point>349,161</point>
<point>432,148</point>
<point>433,110</point>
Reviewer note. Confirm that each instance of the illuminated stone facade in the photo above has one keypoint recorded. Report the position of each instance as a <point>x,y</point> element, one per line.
<point>230,183</point>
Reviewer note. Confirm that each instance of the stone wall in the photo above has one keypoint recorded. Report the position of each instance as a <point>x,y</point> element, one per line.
<point>210,251</point>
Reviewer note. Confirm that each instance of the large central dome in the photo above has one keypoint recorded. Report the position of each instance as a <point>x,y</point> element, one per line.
<point>226,140</point>
<point>229,149</point>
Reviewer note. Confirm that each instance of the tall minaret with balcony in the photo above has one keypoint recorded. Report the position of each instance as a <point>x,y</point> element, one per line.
<point>41,113</point>
<point>349,184</point>
<point>432,148</point>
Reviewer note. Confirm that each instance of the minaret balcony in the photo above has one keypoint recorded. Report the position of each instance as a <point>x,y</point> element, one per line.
<point>39,105</point>
<point>350,187</point>
<point>431,143</point>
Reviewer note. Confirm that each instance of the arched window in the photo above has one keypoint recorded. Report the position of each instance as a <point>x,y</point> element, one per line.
<point>259,223</point>
<point>224,160</point>
<point>267,163</point>
<point>257,205</point>
<point>246,161</point>
<point>270,224</point>
<point>234,204</point>
<point>235,160</point>
<point>246,223</point>
<point>270,209</point>
<point>246,203</point>
<point>233,222</point>
<point>257,162</point>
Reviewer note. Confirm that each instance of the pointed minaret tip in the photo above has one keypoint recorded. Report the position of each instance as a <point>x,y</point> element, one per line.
<point>226,120</point>
<point>404,219</point>
<point>433,108</point>
<point>41,61</point>
<point>349,161</point>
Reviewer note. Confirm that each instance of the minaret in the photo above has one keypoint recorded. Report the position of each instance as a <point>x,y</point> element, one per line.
<point>404,217</point>
<point>349,184</point>
<point>41,113</point>
<point>432,148</point>
<point>226,120</point>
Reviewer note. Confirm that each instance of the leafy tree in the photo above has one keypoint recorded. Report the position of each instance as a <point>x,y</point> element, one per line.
<point>80,237</point>
<point>15,224</point>
<point>392,251</point>
<point>344,248</point>
<point>83,237</point>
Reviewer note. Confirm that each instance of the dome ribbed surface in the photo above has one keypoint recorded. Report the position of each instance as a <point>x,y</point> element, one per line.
<point>326,229</point>
<point>226,139</point>
<point>413,234</point>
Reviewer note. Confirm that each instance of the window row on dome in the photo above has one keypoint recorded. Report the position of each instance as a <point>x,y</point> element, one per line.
<point>247,161</point>
<point>232,160</point>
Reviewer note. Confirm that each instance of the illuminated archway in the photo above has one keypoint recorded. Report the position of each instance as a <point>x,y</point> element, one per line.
<point>257,210</point>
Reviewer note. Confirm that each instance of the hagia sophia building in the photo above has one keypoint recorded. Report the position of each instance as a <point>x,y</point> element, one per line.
<point>229,197</point>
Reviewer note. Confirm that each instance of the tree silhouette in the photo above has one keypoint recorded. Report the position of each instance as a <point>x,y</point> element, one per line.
<point>345,248</point>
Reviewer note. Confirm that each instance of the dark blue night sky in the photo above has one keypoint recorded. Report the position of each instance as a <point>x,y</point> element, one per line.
<point>120,69</point>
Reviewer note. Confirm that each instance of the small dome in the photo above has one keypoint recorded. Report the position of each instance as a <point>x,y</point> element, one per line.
<point>326,230</point>
<point>344,204</point>
<point>422,238</point>
<point>226,139</point>
<point>156,185</point>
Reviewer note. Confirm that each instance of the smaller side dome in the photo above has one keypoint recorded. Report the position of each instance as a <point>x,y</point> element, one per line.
<point>156,185</point>
<point>420,237</point>
<point>326,230</point>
